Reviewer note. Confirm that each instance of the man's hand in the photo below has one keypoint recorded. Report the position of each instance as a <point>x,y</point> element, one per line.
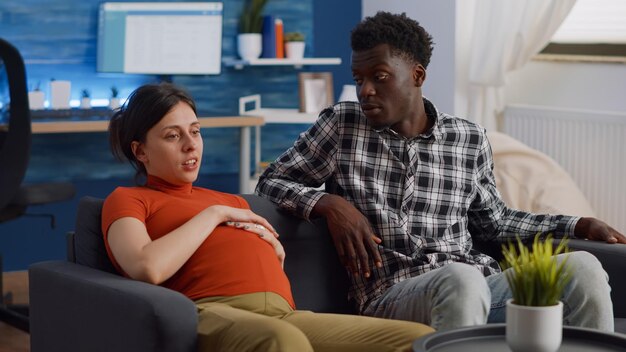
<point>597,230</point>
<point>351,231</point>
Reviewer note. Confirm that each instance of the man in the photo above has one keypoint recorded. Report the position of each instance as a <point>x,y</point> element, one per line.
<point>407,188</point>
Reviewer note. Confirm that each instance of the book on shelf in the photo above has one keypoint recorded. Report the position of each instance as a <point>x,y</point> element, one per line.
<point>280,45</point>
<point>268,33</point>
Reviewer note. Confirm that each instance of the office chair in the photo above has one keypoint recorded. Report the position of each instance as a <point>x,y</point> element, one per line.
<point>15,140</point>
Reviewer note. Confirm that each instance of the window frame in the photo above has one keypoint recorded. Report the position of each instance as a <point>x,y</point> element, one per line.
<point>583,52</point>
<point>590,33</point>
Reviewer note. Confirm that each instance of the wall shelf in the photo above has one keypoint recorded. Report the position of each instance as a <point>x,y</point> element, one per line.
<point>297,63</point>
<point>280,116</point>
<point>283,115</point>
<point>272,115</point>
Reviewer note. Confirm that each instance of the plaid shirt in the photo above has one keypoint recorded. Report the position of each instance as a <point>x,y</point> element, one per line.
<point>426,196</point>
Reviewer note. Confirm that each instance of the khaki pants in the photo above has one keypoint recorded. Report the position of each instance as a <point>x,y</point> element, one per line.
<point>264,321</point>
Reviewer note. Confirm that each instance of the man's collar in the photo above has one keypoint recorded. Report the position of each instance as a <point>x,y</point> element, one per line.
<point>432,114</point>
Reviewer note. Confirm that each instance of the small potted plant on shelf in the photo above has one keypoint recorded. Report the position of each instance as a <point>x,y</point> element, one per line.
<point>249,39</point>
<point>114,101</point>
<point>534,316</point>
<point>85,99</point>
<point>294,45</point>
<point>36,98</point>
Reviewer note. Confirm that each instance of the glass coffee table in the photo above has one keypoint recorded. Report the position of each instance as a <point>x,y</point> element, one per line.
<point>491,338</point>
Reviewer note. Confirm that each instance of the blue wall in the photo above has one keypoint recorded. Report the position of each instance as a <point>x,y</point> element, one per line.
<point>57,39</point>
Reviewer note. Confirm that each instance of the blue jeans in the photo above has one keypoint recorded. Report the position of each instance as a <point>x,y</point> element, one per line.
<point>459,295</point>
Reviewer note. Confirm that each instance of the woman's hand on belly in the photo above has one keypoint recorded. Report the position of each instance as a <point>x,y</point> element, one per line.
<point>264,233</point>
<point>242,216</point>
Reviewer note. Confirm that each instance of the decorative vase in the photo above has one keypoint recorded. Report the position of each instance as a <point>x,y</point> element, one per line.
<point>249,45</point>
<point>536,329</point>
<point>294,50</point>
<point>60,94</point>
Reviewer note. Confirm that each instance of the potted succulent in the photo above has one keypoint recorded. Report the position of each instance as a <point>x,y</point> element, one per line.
<point>85,99</point>
<point>114,101</point>
<point>249,39</point>
<point>534,316</point>
<point>36,98</point>
<point>294,45</point>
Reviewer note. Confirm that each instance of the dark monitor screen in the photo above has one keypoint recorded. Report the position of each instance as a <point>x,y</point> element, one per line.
<point>5,99</point>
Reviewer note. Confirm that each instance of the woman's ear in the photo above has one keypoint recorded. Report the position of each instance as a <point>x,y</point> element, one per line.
<point>138,151</point>
<point>419,75</point>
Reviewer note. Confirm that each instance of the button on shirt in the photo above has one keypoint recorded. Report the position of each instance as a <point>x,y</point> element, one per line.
<point>426,196</point>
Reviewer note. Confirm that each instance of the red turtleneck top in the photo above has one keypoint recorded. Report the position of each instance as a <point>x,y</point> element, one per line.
<point>229,262</point>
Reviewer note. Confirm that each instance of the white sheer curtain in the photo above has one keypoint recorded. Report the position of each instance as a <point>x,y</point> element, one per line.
<point>506,34</point>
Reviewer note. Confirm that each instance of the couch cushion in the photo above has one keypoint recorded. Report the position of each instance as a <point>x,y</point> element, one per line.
<point>88,246</point>
<point>620,325</point>
<point>530,180</point>
<point>318,280</point>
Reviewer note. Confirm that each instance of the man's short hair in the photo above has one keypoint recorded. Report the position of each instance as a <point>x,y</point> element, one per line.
<point>404,35</point>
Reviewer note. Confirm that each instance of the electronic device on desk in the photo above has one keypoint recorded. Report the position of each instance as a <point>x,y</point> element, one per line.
<point>95,113</point>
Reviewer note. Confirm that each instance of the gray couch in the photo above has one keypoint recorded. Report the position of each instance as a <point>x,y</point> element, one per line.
<point>82,305</point>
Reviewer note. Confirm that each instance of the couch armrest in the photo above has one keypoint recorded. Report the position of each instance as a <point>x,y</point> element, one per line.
<point>109,312</point>
<point>613,259</point>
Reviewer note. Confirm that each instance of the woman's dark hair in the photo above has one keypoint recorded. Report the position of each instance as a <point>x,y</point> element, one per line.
<point>145,107</point>
<point>404,35</point>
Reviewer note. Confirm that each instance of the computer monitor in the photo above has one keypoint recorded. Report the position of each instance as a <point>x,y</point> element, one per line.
<point>160,38</point>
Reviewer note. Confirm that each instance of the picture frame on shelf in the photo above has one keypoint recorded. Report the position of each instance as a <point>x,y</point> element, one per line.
<point>315,91</point>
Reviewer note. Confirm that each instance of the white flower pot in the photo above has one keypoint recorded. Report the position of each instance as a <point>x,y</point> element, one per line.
<point>36,100</point>
<point>294,50</point>
<point>249,45</point>
<point>114,103</point>
<point>85,103</point>
<point>536,329</point>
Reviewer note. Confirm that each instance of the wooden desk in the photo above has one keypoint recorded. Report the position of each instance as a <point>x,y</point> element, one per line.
<point>243,122</point>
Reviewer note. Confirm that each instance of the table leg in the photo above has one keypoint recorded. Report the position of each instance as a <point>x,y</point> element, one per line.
<point>257,149</point>
<point>244,160</point>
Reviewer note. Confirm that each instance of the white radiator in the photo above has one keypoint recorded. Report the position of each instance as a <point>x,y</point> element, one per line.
<point>589,145</point>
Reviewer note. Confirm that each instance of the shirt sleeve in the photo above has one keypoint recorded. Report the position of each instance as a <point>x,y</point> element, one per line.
<point>119,204</point>
<point>489,217</point>
<point>292,180</point>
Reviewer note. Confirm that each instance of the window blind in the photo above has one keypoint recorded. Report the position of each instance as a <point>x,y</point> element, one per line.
<point>594,22</point>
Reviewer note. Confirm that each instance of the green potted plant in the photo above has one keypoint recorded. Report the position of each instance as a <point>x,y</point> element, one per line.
<point>249,39</point>
<point>85,99</point>
<point>114,101</point>
<point>294,37</point>
<point>534,316</point>
<point>294,45</point>
<point>36,98</point>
